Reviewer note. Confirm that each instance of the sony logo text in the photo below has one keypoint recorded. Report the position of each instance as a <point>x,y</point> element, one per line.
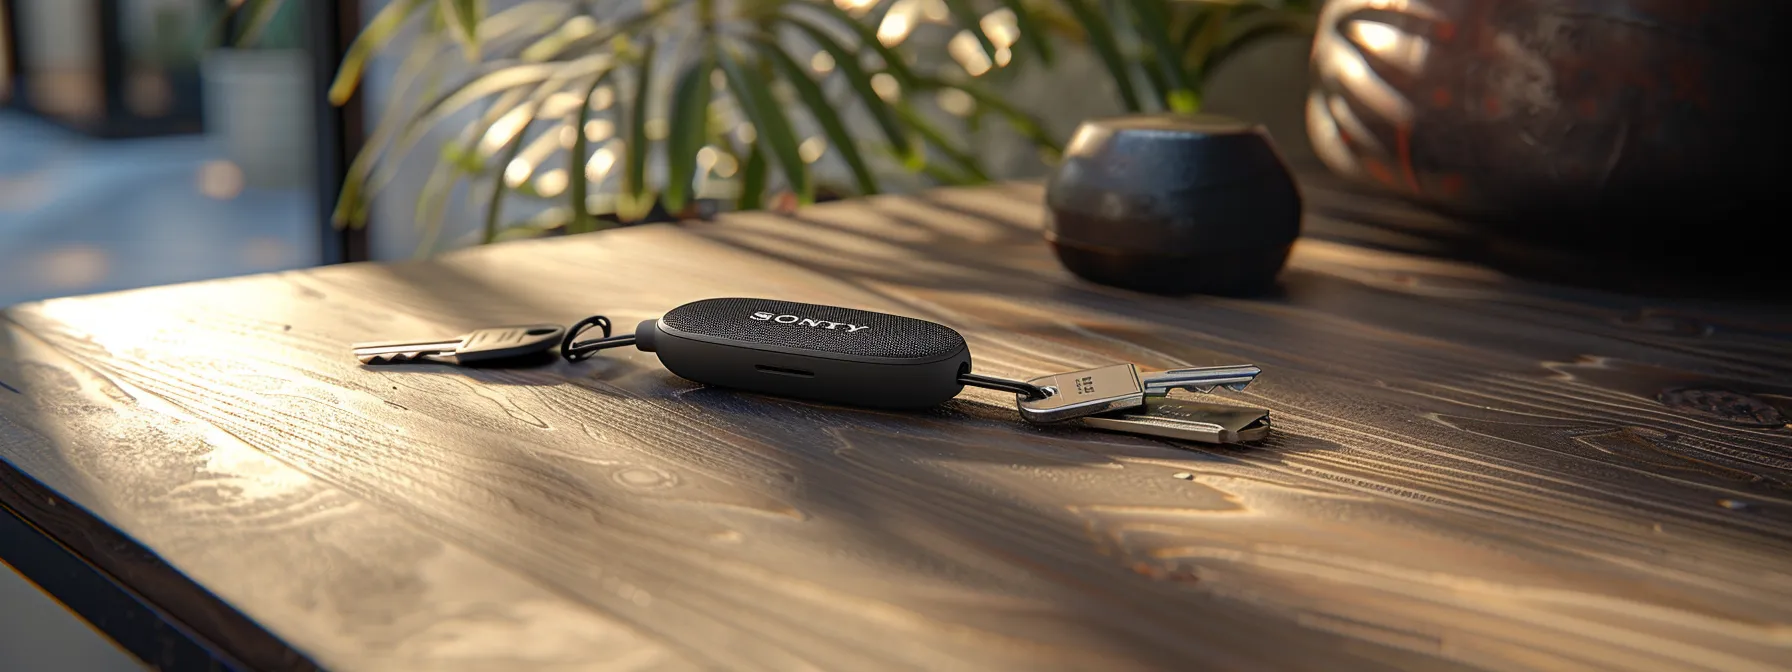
<point>808,322</point>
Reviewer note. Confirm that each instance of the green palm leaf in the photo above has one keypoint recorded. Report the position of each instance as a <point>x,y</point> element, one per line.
<point>860,81</point>
<point>495,207</point>
<point>1101,35</point>
<point>1022,122</point>
<point>579,187</point>
<point>260,14</point>
<point>432,203</point>
<point>560,44</point>
<point>894,63</point>
<point>634,183</point>
<point>752,181</point>
<point>496,78</point>
<point>823,112</point>
<point>1201,42</point>
<point>378,32</point>
<point>938,139</point>
<point>772,129</point>
<point>690,129</point>
<point>463,22</point>
<point>352,203</point>
<point>968,20</point>
<point>1032,31</point>
<point>1152,22</point>
<point>1192,23</point>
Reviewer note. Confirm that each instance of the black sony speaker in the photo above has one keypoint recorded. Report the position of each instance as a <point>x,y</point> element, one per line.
<point>806,351</point>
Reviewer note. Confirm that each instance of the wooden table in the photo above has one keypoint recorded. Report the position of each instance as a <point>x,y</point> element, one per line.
<point>1468,471</point>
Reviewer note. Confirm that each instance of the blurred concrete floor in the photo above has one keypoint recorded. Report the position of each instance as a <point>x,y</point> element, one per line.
<point>38,633</point>
<point>79,215</point>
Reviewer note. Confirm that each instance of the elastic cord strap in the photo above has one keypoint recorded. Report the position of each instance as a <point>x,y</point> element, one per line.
<point>575,351</point>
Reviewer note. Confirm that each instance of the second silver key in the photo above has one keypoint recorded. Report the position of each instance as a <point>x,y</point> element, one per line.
<point>1117,387</point>
<point>1188,420</point>
<point>480,346</point>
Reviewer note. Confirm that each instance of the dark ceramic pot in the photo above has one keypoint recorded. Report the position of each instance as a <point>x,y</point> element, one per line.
<point>1519,108</point>
<point>1173,204</point>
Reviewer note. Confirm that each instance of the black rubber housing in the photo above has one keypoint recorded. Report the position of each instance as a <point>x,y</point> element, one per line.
<point>806,351</point>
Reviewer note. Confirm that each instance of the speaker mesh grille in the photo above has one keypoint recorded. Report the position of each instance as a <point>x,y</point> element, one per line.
<point>887,336</point>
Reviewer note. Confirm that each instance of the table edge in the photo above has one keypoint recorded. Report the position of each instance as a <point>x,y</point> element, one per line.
<point>188,629</point>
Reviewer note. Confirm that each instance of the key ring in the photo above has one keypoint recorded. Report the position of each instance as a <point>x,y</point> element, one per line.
<point>575,351</point>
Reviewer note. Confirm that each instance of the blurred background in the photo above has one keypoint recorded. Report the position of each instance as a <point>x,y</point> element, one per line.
<point>116,169</point>
<point>145,142</point>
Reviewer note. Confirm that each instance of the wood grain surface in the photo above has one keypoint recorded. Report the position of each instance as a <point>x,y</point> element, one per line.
<point>1469,470</point>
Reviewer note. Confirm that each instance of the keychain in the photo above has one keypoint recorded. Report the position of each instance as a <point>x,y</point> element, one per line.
<point>877,360</point>
<point>860,358</point>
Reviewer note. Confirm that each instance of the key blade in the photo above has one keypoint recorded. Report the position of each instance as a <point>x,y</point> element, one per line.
<point>439,357</point>
<point>1203,379</point>
<point>399,352</point>
<point>404,347</point>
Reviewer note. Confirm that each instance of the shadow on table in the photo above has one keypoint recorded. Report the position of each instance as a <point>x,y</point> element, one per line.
<point>1690,252</point>
<point>1648,253</point>
<point>1004,530</point>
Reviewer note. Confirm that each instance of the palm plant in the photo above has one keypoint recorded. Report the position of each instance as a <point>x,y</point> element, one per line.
<point>1174,45</point>
<point>565,97</point>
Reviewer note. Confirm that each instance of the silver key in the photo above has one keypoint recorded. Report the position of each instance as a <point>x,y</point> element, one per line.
<point>1188,420</point>
<point>1119,386</point>
<point>480,346</point>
